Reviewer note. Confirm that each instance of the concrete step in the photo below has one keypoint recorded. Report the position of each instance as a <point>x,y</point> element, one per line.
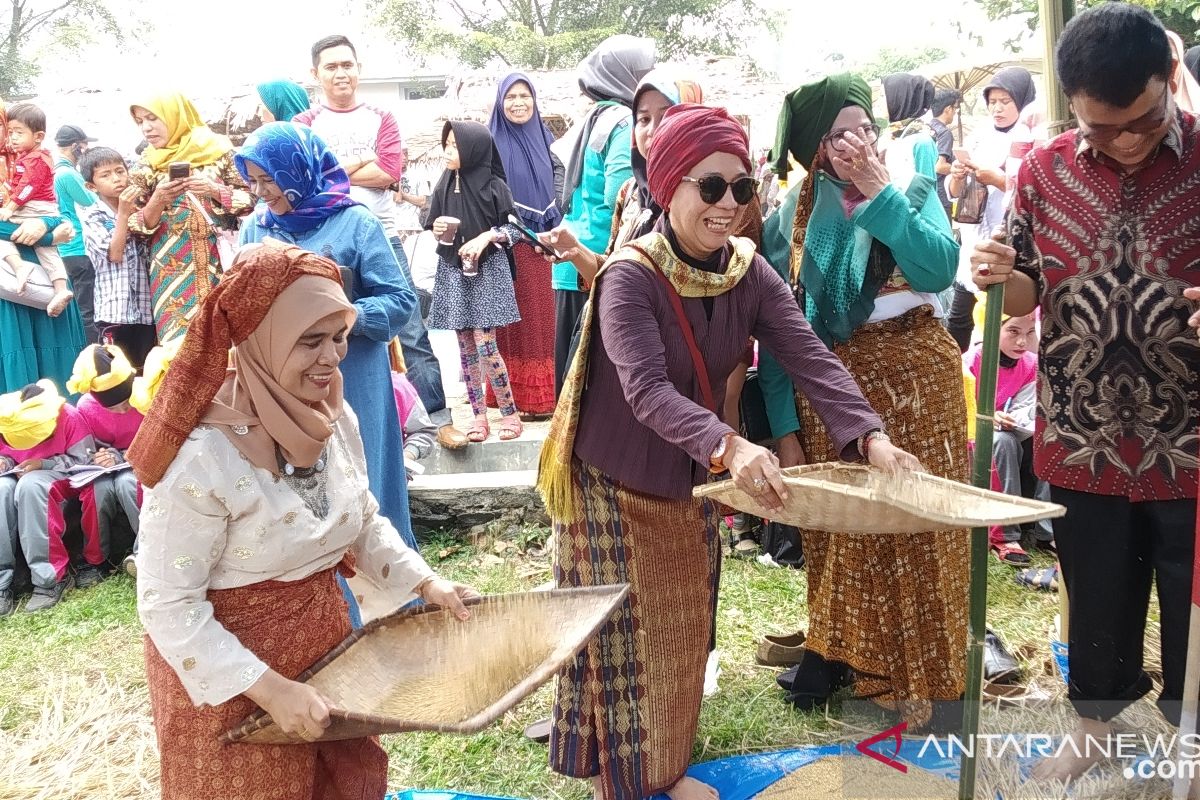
<point>493,455</point>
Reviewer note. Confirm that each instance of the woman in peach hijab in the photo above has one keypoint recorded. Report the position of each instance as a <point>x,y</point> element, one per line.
<point>255,496</point>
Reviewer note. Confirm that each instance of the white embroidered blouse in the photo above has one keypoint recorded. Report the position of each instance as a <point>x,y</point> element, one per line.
<point>215,521</point>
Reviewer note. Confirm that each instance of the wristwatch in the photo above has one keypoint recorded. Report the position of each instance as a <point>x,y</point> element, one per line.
<point>864,441</point>
<point>717,459</point>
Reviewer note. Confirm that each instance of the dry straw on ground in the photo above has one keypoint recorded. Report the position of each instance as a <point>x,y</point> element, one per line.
<point>92,741</point>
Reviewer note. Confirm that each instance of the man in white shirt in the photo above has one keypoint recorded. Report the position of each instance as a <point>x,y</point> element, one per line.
<point>366,141</point>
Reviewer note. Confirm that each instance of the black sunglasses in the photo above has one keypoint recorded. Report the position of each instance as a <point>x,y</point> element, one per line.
<point>713,187</point>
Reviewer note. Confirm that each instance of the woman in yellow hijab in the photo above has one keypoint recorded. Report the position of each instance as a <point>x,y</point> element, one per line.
<point>189,218</point>
<point>41,437</point>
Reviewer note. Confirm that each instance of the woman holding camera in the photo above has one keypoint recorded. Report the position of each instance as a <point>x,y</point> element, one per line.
<point>190,197</point>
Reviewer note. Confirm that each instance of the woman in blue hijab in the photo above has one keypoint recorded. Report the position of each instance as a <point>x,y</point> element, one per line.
<point>535,176</point>
<point>304,199</point>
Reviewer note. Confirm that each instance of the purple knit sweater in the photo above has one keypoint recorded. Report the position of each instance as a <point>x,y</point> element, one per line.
<point>639,422</point>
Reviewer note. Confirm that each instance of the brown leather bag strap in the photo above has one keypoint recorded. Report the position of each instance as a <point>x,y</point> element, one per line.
<point>689,335</point>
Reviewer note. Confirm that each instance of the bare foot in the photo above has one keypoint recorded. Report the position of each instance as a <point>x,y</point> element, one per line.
<point>59,302</point>
<point>22,272</point>
<point>1081,750</point>
<point>691,789</point>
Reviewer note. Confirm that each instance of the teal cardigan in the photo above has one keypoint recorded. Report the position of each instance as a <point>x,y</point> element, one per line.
<point>921,240</point>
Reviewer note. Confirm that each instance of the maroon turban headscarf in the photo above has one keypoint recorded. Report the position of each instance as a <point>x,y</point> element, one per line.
<point>687,135</point>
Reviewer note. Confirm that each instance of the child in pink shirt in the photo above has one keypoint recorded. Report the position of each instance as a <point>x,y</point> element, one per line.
<point>104,377</point>
<point>1012,443</point>
<point>41,437</point>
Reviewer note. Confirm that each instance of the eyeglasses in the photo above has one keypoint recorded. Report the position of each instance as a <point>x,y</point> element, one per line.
<point>1149,122</point>
<point>713,187</point>
<point>836,139</point>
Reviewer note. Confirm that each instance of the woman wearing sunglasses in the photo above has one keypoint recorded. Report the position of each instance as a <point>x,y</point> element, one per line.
<point>867,258</point>
<point>637,427</point>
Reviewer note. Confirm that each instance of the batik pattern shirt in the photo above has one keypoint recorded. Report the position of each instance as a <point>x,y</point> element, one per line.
<point>1112,252</point>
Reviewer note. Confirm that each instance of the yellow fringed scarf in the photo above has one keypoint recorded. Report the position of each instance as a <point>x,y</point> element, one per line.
<point>85,378</point>
<point>554,465</point>
<point>25,424</point>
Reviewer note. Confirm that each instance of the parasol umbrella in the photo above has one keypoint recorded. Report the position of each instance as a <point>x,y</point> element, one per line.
<point>964,74</point>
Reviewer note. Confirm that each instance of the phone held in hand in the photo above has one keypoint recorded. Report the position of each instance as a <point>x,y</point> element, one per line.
<point>531,237</point>
<point>179,170</point>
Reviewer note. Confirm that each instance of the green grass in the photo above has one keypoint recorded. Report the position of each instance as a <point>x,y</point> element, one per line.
<point>95,633</point>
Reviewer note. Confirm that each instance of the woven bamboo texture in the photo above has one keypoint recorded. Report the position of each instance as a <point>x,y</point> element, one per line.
<point>425,670</point>
<point>852,498</point>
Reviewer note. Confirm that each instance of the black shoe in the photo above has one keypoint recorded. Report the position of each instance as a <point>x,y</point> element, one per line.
<point>88,576</point>
<point>48,598</point>
<point>814,681</point>
<point>999,665</point>
<point>8,603</point>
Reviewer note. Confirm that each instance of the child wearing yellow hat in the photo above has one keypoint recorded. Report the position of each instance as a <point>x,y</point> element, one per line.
<point>41,437</point>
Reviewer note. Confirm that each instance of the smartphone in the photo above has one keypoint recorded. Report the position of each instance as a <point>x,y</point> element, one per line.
<point>347,282</point>
<point>179,170</point>
<point>530,236</point>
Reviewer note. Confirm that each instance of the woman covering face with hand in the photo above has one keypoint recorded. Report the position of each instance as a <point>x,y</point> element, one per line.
<point>868,258</point>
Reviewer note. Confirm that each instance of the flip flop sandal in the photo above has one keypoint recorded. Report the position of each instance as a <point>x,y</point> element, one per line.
<point>1012,554</point>
<point>510,428</point>
<point>1043,579</point>
<point>479,431</point>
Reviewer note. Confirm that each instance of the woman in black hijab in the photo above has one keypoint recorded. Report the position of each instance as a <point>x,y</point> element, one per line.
<point>473,290</point>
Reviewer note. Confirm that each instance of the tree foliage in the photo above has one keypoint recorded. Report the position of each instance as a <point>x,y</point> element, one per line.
<point>549,34</point>
<point>1181,16</point>
<point>69,23</point>
<point>888,61</point>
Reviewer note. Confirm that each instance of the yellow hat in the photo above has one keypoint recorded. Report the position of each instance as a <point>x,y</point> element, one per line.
<point>87,375</point>
<point>26,423</point>
<point>145,387</point>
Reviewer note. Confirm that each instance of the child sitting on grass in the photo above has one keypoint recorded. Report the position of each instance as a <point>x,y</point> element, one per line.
<point>31,196</point>
<point>41,437</point>
<point>104,377</point>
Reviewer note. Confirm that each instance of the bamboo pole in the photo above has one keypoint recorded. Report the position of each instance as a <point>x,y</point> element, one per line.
<point>985,425</point>
<point>1054,15</point>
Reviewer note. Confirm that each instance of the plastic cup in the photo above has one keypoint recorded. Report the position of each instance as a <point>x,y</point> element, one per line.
<point>451,229</point>
<point>470,268</point>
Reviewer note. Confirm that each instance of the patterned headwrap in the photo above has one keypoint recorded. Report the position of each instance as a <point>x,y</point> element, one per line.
<point>188,138</point>
<point>104,371</point>
<point>687,135</point>
<point>229,315</point>
<point>146,385</point>
<point>808,114</point>
<point>25,424</point>
<point>304,169</point>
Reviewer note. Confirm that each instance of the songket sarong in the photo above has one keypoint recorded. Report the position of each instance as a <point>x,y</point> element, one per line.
<point>626,709</point>
<point>289,625</point>
<point>894,607</point>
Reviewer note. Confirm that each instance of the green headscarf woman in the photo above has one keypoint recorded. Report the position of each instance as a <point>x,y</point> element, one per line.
<point>281,100</point>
